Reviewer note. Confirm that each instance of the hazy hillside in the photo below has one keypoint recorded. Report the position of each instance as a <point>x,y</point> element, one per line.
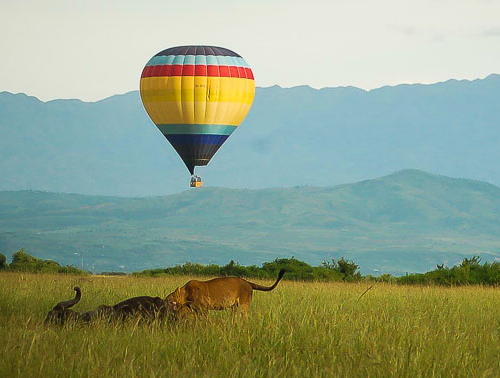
<point>295,136</point>
<point>407,221</point>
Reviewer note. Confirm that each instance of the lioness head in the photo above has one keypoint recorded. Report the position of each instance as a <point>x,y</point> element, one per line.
<point>176,296</point>
<point>183,311</point>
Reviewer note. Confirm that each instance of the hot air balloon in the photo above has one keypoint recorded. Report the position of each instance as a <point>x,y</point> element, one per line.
<point>197,96</point>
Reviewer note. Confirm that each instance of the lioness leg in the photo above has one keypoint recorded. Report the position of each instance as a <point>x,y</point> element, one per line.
<point>242,304</point>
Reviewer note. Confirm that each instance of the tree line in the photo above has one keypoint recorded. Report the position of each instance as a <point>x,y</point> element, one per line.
<point>335,270</point>
<point>24,262</point>
<point>469,272</point>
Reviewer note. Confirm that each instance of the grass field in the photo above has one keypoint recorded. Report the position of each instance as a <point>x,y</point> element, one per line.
<point>298,330</point>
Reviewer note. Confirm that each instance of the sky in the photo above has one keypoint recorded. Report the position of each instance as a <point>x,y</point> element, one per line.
<point>94,49</point>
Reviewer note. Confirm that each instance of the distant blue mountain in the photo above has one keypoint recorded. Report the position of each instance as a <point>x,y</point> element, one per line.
<point>294,136</point>
<point>405,222</point>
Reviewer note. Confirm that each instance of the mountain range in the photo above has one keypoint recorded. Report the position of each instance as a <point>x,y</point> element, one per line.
<point>408,221</point>
<point>292,136</point>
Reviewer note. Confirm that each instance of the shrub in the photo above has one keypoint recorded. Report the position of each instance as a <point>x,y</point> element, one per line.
<point>23,262</point>
<point>346,269</point>
<point>296,270</point>
<point>3,262</point>
<point>468,272</point>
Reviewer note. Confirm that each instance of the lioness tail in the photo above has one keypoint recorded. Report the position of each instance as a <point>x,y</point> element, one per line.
<point>268,288</point>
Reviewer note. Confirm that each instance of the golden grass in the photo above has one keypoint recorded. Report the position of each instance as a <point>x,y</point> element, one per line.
<point>298,330</point>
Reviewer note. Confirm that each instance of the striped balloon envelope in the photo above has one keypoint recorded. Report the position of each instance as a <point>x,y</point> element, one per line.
<point>197,96</point>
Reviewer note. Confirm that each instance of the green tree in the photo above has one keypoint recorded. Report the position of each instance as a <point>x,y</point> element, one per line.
<point>474,261</point>
<point>296,269</point>
<point>233,269</point>
<point>23,262</point>
<point>348,269</point>
<point>3,262</point>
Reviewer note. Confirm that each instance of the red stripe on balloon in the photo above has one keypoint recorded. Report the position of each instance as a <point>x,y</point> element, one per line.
<point>198,70</point>
<point>176,70</point>
<point>224,71</point>
<point>213,70</point>
<point>234,71</point>
<point>188,70</point>
<point>241,72</point>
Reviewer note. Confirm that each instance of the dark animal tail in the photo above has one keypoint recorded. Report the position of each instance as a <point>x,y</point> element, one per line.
<point>268,288</point>
<point>61,306</point>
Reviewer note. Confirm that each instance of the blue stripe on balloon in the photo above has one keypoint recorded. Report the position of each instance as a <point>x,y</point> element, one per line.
<point>218,60</point>
<point>179,59</point>
<point>189,59</point>
<point>196,140</point>
<point>212,60</point>
<point>200,59</point>
<point>161,60</point>
<point>204,129</point>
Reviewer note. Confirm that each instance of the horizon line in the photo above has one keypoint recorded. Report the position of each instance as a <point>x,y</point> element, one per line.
<point>397,172</point>
<point>271,86</point>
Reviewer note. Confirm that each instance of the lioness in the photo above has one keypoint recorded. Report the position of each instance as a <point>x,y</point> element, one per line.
<point>219,293</point>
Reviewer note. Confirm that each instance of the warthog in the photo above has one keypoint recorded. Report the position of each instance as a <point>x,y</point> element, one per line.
<point>145,307</point>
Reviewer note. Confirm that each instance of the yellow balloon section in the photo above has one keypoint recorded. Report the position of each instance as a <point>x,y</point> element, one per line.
<point>197,99</point>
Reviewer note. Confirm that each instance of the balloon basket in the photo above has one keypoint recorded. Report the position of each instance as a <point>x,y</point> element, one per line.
<point>196,182</point>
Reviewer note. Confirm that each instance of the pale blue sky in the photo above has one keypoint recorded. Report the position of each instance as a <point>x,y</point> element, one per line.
<point>94,49</point>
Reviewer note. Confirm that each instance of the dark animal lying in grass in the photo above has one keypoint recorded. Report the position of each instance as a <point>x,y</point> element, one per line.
<point>145,307</point>
<point>219,293</point>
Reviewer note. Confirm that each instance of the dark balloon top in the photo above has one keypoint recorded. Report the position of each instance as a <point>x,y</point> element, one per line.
<point>198,50</point>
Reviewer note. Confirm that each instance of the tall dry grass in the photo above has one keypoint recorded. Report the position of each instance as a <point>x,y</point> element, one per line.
<point>298,330</point>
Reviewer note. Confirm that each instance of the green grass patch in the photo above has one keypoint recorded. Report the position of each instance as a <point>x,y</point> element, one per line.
<point>299,329</point>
